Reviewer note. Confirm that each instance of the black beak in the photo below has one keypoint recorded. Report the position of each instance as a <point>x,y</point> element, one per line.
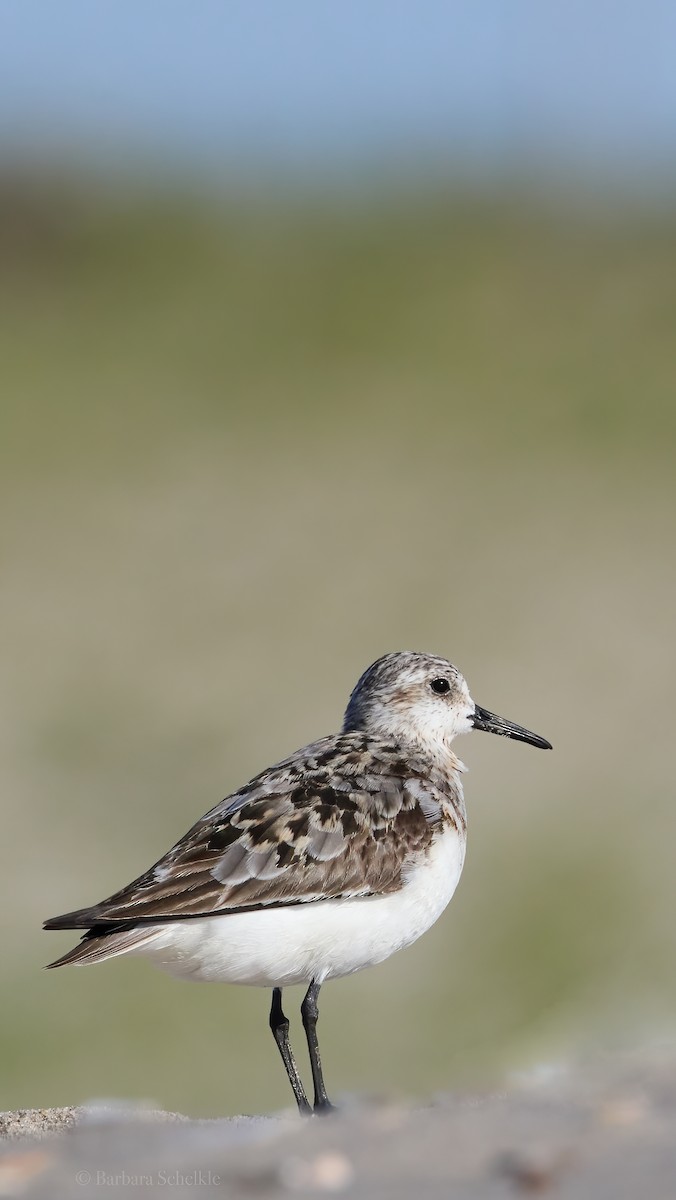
<point>483,719</point>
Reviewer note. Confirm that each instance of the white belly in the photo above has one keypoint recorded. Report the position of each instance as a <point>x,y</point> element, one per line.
<point>319,940</point>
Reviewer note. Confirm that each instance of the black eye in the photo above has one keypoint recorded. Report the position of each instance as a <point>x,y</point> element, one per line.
<point>440,686</point>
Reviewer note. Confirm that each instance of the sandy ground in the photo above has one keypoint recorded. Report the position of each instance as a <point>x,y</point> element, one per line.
<point>607,1131</point>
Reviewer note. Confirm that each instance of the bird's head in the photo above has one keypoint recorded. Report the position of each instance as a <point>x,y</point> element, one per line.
<point>423,699</point>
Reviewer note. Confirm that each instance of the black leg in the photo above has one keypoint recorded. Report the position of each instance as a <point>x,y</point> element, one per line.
<point>280,1027</point>
<point>310,1013</point>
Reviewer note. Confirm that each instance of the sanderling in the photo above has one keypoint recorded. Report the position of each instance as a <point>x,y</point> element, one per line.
<point>328,862</point>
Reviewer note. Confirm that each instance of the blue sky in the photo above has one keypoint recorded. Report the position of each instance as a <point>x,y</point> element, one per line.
<point>310,82</point>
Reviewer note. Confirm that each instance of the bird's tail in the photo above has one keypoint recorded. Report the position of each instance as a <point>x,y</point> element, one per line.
<point>98,944</point>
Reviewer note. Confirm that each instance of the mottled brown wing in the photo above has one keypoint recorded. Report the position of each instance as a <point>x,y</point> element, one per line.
<point>272,845</point>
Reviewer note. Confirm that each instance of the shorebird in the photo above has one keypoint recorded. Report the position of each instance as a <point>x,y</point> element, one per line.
<point>326,863</point>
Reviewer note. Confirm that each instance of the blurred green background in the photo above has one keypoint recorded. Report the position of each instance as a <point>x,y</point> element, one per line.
<point>251,441</point>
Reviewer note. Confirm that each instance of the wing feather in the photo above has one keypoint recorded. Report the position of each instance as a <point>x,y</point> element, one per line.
<point>340,818</point>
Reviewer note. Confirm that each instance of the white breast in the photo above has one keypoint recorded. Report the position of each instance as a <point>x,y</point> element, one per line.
<point>318,940</point>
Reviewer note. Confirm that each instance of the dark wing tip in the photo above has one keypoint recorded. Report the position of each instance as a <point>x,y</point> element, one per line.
<point>82,918</point>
